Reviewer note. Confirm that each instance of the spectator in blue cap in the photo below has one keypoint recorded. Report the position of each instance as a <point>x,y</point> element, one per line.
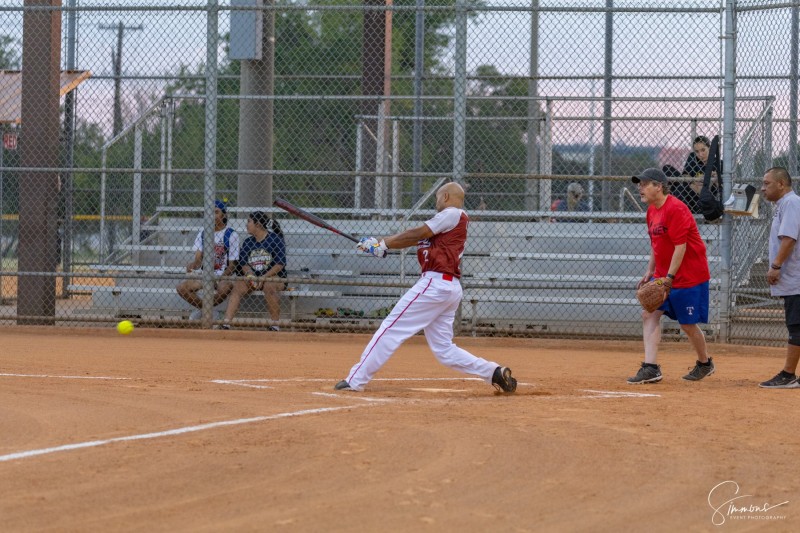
<point>226,256</point>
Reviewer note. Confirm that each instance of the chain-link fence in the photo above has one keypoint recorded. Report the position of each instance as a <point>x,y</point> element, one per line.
<point>124,124</point>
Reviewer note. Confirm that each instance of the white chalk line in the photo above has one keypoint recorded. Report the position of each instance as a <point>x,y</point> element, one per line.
<point>295,380</point>
<point>58,377</point>
<point>618,394</point>
<point>350,396</point>
<point>168,433</point>
<point>240,383</point>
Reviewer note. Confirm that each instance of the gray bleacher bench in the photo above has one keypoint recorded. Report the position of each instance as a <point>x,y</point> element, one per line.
<point>577,257</point>
<point>175,302</point>
<point>290,252</point>
<point>158,269</point>
<point>180,270</point>
<point>581,300</point>
<point>588,281</point>
<point>584,301</point>
<point>572,281</point>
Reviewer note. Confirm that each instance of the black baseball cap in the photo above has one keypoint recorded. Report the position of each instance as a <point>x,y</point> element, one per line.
<point>650,174</point>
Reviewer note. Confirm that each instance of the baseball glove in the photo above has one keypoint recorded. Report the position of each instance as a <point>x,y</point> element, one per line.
<point>653,293</point>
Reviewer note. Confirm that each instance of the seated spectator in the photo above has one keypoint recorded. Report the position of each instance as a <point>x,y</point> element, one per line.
<point>262,261</point>
<point>689,191</point>
<point>226,257</point>
<point>574,201</point>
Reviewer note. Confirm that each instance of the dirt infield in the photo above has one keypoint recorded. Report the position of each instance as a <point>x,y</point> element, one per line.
<point>241,431</point>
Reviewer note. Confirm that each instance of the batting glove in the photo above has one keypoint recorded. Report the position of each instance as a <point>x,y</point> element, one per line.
<point>371,246</point>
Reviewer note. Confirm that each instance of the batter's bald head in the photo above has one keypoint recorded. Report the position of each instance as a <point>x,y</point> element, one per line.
<point>450,195</point>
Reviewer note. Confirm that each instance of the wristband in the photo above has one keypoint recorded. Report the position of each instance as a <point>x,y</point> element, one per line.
<point>671,276</point>
<point>775,267</point>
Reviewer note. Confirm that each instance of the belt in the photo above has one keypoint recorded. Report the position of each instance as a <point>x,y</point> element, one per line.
<point>437,275</point>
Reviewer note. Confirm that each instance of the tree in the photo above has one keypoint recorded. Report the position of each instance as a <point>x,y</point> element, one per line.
<point>9,53</point>
<point>317,53</point>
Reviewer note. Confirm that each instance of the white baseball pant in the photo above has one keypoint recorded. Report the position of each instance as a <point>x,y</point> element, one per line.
<point>430,305</point>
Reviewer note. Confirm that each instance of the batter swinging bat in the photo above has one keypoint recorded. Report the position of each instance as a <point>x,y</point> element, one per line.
<point>308,217</point>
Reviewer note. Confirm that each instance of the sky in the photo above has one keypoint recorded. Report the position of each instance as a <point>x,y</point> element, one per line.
<point>571,43</point>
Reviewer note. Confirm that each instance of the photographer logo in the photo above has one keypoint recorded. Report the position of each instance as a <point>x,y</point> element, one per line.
<point>727,503</point>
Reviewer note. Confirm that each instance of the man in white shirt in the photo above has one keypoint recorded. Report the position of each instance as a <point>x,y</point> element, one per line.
<point>783,275</point>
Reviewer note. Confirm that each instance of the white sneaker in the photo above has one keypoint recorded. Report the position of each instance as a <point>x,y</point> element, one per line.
<point>197,314</point>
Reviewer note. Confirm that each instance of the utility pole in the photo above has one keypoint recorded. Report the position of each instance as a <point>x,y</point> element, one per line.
<point>116,62</point>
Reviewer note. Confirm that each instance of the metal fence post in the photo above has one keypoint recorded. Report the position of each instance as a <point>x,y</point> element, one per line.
<point>546,185</point>
<point>419,69</point>
<point>210,160</point>
<point>162,154</point>
<point>170,123</point>
<point>532,141</point>
<point>136,225</point>
<point>460,93</point>
<point>728,147</point>
<point>359,151</point>
<point>793,82</point>
<point>608,91</point>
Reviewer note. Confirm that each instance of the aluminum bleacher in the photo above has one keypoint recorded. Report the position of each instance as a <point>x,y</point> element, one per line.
<point>525,274</point>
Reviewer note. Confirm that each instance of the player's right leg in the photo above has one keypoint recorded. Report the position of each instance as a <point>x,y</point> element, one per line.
<point>439,334</point>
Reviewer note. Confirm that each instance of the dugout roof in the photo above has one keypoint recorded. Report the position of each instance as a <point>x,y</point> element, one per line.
<point>11,91</point>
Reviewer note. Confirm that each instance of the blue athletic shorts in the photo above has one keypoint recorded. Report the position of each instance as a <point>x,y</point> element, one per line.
<point>689,305</point>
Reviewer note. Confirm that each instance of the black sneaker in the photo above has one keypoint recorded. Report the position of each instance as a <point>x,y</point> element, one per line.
<point>274,328</point>
<point>502,380</point>
<point>700,371</point>
<point>343,385</point>
<point>646,374</point>
<point>782,380</point>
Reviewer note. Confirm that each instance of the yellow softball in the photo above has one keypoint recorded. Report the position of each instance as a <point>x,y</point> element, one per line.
<point>125,327</point>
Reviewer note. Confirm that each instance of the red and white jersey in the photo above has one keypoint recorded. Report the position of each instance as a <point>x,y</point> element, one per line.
<point>442,252</point>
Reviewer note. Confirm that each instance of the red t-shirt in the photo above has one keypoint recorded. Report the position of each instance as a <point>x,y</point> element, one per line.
<point>672,225</point>
<point>442,252</point>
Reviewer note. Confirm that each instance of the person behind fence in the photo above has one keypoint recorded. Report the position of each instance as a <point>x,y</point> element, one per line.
<point>677,258</point>
<point>783,275</point>
<point>575,201</point>
<point>262,262</point>
<point>226,256</point>
<point>431,304</point>
<point>688,192</point>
